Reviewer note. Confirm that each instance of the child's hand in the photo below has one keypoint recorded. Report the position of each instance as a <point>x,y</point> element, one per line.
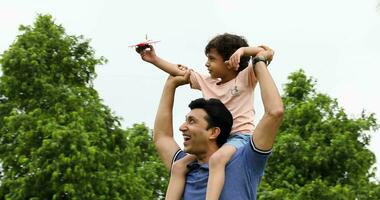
<point>148,54</point>
<point>233,62</point>
<point>268,53</point>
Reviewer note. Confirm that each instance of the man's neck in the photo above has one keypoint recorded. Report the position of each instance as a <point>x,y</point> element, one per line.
<point>203,158</point>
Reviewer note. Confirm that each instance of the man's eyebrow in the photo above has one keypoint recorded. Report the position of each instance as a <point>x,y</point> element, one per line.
<point>188,117</point>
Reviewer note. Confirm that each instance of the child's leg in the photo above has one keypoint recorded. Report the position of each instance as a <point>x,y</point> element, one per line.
<point>217,164</point>
<point>178,178</point>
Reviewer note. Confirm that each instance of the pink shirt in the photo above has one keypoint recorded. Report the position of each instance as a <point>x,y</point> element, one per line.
<point>236,94</point>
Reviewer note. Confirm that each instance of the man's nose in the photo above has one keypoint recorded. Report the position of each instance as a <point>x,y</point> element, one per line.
<point>183,127</point>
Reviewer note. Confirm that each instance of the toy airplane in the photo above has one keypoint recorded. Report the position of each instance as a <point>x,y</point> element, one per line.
<point>143,45</point>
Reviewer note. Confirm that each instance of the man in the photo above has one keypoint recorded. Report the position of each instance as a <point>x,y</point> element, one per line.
<point>246,167</point>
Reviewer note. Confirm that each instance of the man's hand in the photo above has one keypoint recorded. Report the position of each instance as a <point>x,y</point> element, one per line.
<point>148,54</point>
<point>182,67</point>
<point>179,80</point>
<point>268,53</point>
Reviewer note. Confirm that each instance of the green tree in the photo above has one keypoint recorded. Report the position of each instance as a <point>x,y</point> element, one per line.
<point>57,139</point>
<point>146,162</point>
<point>320,153</point>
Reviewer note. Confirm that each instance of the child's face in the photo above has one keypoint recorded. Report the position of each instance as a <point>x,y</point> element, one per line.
<point>215,64</point>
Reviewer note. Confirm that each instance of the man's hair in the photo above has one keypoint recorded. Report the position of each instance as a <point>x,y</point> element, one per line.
<point>217,116</point>
<point>226,44</point>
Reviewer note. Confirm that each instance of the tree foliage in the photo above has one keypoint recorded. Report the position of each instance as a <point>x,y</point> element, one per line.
<point>320,152</point>
<point>57,139</point>
<point>146,163</point>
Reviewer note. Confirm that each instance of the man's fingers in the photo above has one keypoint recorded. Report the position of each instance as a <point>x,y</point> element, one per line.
<point>186,76</point>
<point>182,80</point>
<point>182,67</point>
<point>269,53</point>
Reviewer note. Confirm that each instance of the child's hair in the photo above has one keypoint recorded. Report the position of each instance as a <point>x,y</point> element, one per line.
<point>226,44</point>
<point>217,116</point>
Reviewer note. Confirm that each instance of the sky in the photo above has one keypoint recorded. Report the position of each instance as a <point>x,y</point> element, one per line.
<point>336,42</point>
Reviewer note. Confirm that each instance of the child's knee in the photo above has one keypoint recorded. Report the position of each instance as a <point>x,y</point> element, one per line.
<point>178,165</point>
<point>218,159</point>
<point>179,168</point>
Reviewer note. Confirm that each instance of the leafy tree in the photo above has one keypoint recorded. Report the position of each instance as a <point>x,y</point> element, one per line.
<point>147,165</point>
<point>57,139</point>
<point>320,153</point>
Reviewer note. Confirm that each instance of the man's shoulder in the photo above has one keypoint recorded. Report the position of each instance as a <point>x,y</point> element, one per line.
<point>178,155</point>
<point>250,154</point>
<point>246,167</point>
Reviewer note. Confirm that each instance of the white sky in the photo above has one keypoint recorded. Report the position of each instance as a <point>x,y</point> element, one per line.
<point>337,42</point>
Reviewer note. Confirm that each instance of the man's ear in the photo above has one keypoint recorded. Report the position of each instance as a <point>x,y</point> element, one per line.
<point>215,131</point>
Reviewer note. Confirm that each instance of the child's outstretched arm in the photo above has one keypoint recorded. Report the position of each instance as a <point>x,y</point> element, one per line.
<point>149,55</point>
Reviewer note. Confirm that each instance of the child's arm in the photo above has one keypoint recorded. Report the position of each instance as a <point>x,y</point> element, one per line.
<point>234,60</point>
<point>149,55</point>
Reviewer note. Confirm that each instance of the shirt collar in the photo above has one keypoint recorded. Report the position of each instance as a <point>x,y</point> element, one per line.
<point>195,166</point>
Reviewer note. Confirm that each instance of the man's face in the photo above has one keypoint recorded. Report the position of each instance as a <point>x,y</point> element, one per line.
<point>195,132</point>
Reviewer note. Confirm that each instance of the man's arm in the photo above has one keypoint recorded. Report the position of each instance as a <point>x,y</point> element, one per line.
<point>163,125</point>
<point>266,129</point>
<point>149,55</point>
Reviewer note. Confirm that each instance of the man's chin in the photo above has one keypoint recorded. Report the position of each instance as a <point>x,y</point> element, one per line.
<point>187,149</point>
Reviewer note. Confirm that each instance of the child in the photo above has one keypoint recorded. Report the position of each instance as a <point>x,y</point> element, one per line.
<point>231,81</point>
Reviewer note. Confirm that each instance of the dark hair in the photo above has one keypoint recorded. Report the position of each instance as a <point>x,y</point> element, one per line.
<point>226,44</point>
<point>217,116</point>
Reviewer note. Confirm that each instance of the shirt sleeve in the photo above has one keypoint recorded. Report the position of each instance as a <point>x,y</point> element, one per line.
<point>255,158</point>
<point>248,76</point>
<point>178,155</point>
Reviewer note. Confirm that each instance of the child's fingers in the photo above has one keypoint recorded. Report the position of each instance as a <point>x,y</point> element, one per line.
<point>228,63</point>
<point>150,47</point>
<point>236,61</point>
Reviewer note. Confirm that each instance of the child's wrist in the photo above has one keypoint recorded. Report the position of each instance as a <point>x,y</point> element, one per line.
<point>154,61</point>
<point>245,51</point>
